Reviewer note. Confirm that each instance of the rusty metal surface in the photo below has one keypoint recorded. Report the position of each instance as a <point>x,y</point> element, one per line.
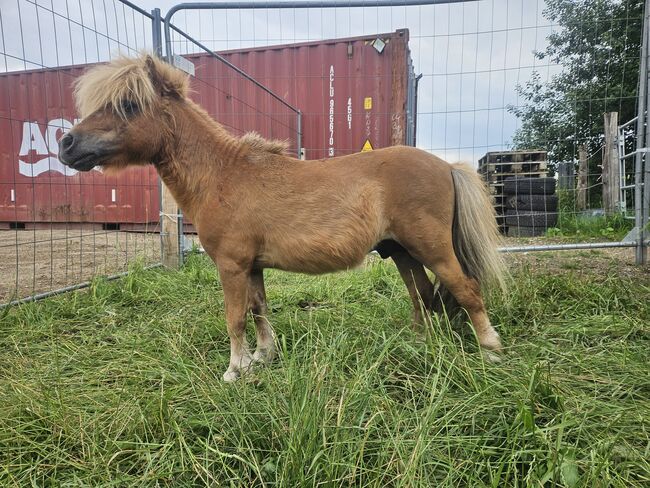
<point>36,107</point>
<point>348,92</point>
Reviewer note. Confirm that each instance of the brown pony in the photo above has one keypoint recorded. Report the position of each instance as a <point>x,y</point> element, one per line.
<point>255,207</point>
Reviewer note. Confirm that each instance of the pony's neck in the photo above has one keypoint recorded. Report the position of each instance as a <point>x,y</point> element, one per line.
<point>199,151</point>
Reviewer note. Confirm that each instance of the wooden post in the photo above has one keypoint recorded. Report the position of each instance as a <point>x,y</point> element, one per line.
<point>581,202</point>
<point>398,89</point>
<point>611,167</point>
<point>169,229</point>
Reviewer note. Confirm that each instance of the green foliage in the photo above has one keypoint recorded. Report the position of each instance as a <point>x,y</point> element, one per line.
<point>566,202</point>
<point>573,224</point>
<point>120,385</point>
<point>597,46</point>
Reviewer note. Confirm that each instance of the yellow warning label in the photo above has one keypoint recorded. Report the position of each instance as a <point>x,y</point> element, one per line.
<point>366,146</point>
<point>367,103</point>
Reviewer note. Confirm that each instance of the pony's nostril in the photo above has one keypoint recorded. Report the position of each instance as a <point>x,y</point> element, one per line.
<point>66,142</point>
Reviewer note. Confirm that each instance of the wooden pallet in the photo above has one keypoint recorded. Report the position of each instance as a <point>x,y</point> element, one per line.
<point>496,167</point>
<point>513,168</point>
<point>512,157</point>
<point>499,177</point>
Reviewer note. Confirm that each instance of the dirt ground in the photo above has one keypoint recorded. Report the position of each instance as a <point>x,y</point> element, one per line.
<point>36,261</point>
<point>619,262</point>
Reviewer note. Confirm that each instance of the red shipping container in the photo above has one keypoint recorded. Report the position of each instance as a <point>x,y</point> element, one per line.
<point>354,94</point>
<point>36,108</point>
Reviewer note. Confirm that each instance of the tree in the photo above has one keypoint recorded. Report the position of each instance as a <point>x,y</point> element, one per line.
<point>598,47</point>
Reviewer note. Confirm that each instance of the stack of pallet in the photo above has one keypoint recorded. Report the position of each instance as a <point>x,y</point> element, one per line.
<point>497,167</point>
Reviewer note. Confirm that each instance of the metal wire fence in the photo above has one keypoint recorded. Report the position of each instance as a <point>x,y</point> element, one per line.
<point>60,228</point>
<point>522,85</point>
<point>518,88</point>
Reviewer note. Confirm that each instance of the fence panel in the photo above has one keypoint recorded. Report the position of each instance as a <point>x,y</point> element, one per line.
<point>493,77</point>
<point>238,101</point>
<point>60,228</point>
<point>501,80</point>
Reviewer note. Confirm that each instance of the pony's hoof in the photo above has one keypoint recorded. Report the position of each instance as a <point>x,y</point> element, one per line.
<point>491,341</point>
<point>231,375</point>
<point>491,357</point>
<point>263,357</point>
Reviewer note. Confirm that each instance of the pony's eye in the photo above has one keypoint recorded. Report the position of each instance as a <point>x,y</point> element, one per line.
<point>129,108</point>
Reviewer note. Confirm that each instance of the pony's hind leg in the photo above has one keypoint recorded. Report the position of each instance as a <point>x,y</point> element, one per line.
<point>418,284</point>
<point>265,350</point>
<point>441,259</point>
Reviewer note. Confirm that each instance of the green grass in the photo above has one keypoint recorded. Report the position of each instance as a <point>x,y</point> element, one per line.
<point>600,227</point>
<point>575,226</point>
<point>120,385</point>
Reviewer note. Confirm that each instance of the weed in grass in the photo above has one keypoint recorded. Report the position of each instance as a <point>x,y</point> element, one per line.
<point>119,385</point>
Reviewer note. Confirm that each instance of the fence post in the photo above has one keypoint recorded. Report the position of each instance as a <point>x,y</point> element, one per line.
<point>299,134</point>
<point>581,202</point>
<point>566,176</point>
<point>170,223</point>
<point>641,155</point>
<point>156,32</point>
<point>169,229</point>
<point>611,170</point>
<point>644,229</point>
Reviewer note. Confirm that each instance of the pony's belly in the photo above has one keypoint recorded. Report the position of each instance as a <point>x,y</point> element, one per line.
<point>333,239</point>
<point>324,256</point>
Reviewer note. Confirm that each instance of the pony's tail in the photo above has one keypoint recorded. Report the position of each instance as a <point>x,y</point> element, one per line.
<point>475,233</point>
<point>475,238</point>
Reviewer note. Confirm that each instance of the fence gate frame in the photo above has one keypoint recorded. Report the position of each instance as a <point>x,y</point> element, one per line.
<point>623,156</point>
<point>156,20</point>
<point>171,219</point>
<point>172,237</point>
<point>641,174</point>
<point>642,168</point>
<point>638,237</point>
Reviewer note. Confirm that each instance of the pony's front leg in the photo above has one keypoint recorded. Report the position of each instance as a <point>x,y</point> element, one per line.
<point>265,350</point>
<point>235,282</point>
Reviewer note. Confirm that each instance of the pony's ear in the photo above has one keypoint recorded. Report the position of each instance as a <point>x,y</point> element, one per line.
<point>166,80</point>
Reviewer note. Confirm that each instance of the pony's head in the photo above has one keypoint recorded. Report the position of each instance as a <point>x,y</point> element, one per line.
<point>125,107</point>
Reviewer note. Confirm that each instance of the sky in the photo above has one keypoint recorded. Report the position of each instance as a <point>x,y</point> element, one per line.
<point>471,55</point>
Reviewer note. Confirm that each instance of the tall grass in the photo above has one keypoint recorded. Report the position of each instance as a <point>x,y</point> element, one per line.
<point>578,225</point>
<point>120,386</point>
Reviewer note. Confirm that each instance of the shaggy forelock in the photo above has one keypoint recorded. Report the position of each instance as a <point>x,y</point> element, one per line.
<point>107,86</point>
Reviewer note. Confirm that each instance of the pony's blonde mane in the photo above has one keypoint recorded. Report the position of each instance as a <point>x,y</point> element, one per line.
<point>140,80</point>
<point>258,143</point>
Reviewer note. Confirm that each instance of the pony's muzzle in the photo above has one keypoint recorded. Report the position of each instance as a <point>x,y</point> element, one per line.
<point>66,142</point>
<point>79,153</point>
